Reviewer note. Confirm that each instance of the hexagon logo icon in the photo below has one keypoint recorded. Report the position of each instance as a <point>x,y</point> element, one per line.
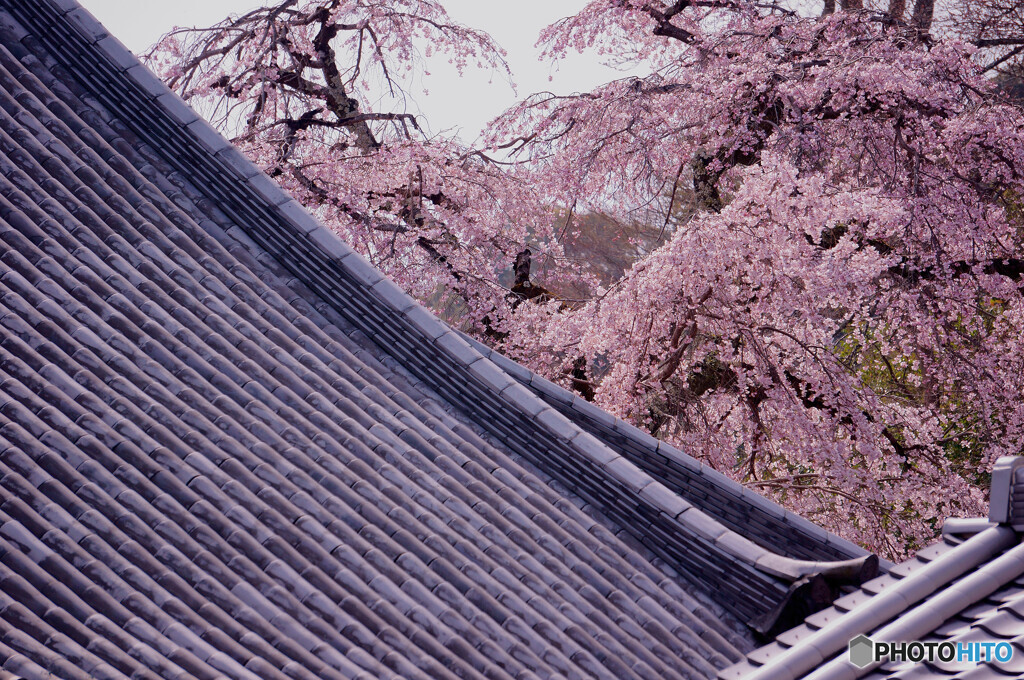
<point>862,651</point>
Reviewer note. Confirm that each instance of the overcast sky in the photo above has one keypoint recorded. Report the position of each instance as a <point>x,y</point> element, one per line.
<point>464,104</point>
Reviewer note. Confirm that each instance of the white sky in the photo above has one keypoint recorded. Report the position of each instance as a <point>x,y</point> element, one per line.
<point>465,104</point>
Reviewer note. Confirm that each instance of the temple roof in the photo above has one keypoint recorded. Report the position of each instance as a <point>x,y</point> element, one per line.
<point>229,447</point>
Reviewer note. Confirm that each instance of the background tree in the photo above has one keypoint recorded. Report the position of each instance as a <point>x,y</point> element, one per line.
<point>313,92</point>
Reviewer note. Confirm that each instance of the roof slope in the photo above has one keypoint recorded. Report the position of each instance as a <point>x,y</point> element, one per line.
<point>230,448</point>
<point>211,479</point>
<point>968,587</point>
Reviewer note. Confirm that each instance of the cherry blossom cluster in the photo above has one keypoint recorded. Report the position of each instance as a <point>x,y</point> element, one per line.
<point>838,323</point>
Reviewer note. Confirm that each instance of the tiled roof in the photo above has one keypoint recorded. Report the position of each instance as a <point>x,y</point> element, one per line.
<point>968,587</point>
<point>230,448</point>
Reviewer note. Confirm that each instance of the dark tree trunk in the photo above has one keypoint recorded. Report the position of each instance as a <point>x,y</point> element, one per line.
<point>897,10</point>
<point>705,182</point>
<point>924,11</point>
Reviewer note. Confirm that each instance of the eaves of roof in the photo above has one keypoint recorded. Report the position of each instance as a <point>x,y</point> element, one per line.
<point>968,587</point>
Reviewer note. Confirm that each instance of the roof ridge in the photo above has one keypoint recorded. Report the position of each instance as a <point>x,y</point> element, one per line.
<point>919,621</point>
<point>567,401</point>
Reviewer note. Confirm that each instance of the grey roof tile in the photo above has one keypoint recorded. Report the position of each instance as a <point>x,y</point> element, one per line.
<point>91,29</point>
<point>592,412</point>
<point>64,6</point>
<point>390,293</point>
<point>357,266</point>
<point>550,390</point>
<point>117,52</point>
<point>231,156</point>
<point>664,499</point>
<point>521,398</point>
<point>265,187</point>
<point>457,348</point>
<point>176,108</point>
<point>594,449</point>
<point>556,424</point>
<point>299,217</point>
<point>628,474</point>
<point>492,376</point>
<point>330,244</point>
<point>14,30</point>
<point>204,133</point>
